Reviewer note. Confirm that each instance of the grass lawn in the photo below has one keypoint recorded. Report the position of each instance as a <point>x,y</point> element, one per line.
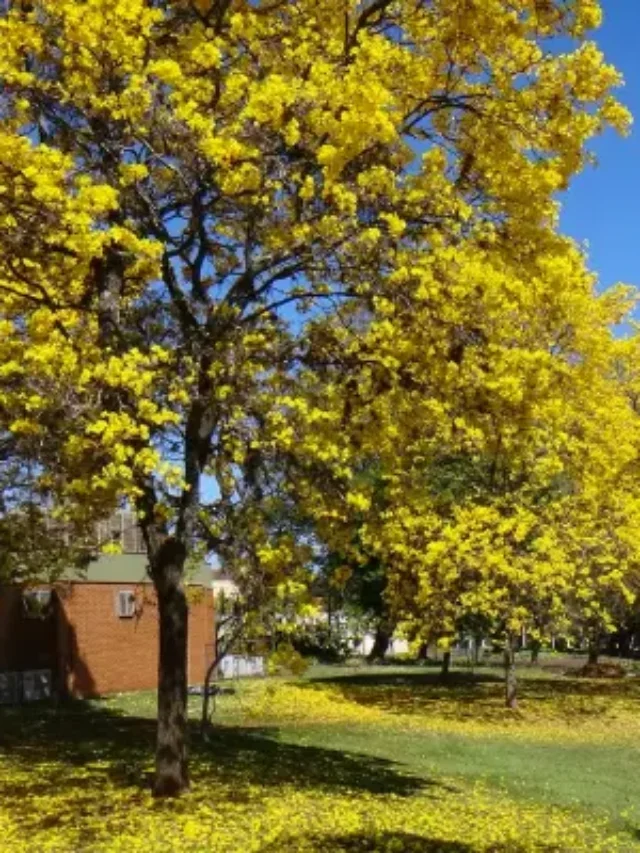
<point>343,759</point>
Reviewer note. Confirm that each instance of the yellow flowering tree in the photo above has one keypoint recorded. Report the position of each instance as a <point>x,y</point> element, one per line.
<point>486,394</point>
<point>599,530</point>
<point>175,176</point>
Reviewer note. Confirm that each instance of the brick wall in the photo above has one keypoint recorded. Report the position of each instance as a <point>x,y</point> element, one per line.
<point>100,652</point>
<point>201,632</point>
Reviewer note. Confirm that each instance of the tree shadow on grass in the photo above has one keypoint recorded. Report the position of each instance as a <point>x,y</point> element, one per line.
<point>633,831</point>
<point>476,695</point>
<point>384,842</point>
<point>79,748</point>
<point>257,755</point>
<point>457,681</point>
<point>415,692</point>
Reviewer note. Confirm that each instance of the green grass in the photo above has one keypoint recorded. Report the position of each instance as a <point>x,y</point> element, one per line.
<point>594,778</point>
<point>382,739</point>
<point>602,777</point>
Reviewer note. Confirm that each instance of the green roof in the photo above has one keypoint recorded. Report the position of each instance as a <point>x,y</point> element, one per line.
<point>128,568</point>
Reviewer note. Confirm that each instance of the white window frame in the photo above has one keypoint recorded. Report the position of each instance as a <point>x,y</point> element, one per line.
<point>37,603</point>
<point>125,604</point>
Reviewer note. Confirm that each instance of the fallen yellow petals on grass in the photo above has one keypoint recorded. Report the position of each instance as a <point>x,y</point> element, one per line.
<point>605,716</point>
<point>77,779</point>
<point>215,818</point>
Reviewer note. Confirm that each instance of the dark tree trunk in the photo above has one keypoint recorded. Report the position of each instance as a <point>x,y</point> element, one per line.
<point>380,644</point>
<point>423,651</point>
<point>510,680</point>
<point>446,663</point>
<point>477,640</point>
<point>535,651</point>
<point>208,690</point>
<point>594,650</point>
<point>624,644</point>
<point>171,777</point>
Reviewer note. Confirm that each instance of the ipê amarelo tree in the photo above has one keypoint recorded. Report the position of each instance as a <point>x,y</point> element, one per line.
<point>175,176</point>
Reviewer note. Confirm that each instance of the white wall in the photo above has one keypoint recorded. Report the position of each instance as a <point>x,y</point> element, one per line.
<point>397,646</point>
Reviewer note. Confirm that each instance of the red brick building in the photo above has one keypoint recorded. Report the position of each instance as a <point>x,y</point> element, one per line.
<point>98,634</point>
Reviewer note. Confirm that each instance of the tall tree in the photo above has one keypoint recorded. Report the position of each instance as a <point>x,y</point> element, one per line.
<point>176,175</point>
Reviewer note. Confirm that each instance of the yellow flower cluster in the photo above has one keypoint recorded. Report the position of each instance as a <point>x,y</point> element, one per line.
<point>333,148</point>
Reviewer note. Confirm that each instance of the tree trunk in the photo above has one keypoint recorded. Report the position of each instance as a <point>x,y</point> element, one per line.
<point>594,650</point>
<point>535,651</point>
<point>446,663</point>
<point>477,645</point>
<point>222,649</point>
<point>423,651</point>
<point>510,680</point>
<point>624,645</point>
<point>208,688</point>
<point>380,644</point>
<point>171,776</point>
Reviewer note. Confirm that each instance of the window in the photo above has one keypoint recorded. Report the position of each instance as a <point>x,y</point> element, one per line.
<point>36,603</point>
<point>36,684</point>
<point>126,604</point>
<point>131,535</point>
<point>9,688</point>
<point>121,529</point>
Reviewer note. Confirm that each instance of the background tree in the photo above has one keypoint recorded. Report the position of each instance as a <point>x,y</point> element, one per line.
<point>497,432</point>
<point>35,547</point>
<point>357,587</point>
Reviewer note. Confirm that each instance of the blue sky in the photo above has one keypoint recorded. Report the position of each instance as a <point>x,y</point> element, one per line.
<point>603,204</point>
